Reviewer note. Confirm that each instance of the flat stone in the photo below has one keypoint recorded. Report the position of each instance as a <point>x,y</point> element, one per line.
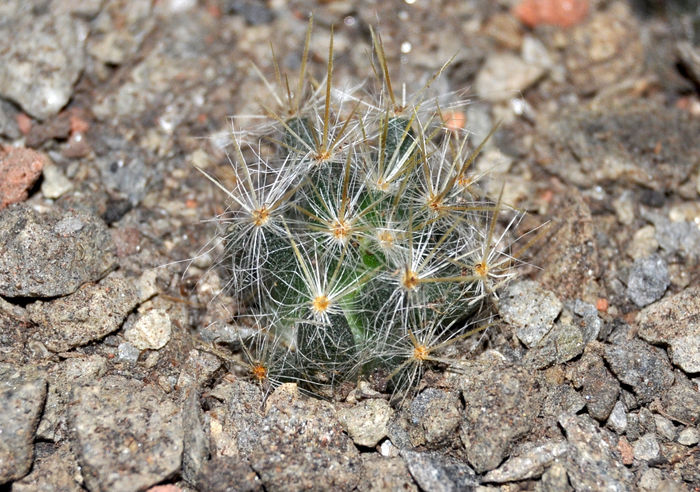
<point>675,322</point>
<point>301,445</point>
<point>435,472</point>
<point>51,254</point>
<point>366,422</point>
<point>531,309</point>
<point>91,313</point>
<point>22,394</point>
<point>682,403</point>
<point>689,436</point>
<point>501,404</point>
<point>527,464</point>
<point>591,460</point>
<point>58,471</point>
<point>648,280</point>
<point>504,76</point>
<point>641,366</point>
<point>127,435</point>
<point>63,378</point>
<point>42,57</point>
<point>380,474</point>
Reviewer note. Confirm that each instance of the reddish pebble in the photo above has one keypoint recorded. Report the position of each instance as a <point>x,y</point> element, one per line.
<point>24,123</point>
<point>78,124</point>
<point>602,304</point>
<point>626,451</point>
<point>165,488</point>
<point>19,169</point>
<point>562,13</point>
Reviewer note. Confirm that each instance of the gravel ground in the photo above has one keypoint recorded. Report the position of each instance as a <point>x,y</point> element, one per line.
<point>109,380</point>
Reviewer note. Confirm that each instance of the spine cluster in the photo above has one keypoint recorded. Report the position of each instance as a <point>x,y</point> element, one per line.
<point>358,235</point>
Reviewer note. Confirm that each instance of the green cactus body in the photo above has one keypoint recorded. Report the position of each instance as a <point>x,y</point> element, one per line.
<point>359,243</point>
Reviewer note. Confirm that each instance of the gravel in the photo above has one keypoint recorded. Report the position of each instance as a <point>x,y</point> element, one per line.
<point>91,313</point>
<point>120,358</point>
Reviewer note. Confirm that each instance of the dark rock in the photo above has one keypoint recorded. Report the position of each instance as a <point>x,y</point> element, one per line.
<point>682,402</point>
<point>63,378</point>
<point>127,435</point>
<point>436,472</point>
<point>599,388</point>
<point>641,366</point>
<point>90,313</point>
<point>648,280</point>
<point>227,474</point>
<point>436,414</point>
<point>22,394</point>
<point>52,254</point>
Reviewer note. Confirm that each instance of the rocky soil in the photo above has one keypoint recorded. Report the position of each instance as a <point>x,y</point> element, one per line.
<point>115,373</point>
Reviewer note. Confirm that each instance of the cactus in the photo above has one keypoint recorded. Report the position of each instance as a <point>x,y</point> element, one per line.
<point>363,244</point>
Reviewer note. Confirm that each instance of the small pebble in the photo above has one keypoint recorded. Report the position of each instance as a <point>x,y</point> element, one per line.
<point>648,280</point>
<point>646,447</point>
<point>618,418</point>
<point>151,331</point>
<point>55,182</point>
<point>689,436</point>
<point>127,352</point>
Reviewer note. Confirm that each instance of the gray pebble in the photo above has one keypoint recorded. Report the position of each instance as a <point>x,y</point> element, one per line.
<point>689,436</point>
<point>646,447</point>
<point>51,254</point>
<point>22,394</point>
<point>527,464</point>
<point>665,427</point>
<point>504,76</point>
<point>128,435</point>
<point>617,420</point>
<point>591,461</point>
<point>366,422</point>
<point>91,313</point>
<point>530,309</point>
<point>41,58</point>
<point>435,472</point>
<point>648,280</point>
<point>127,352</point>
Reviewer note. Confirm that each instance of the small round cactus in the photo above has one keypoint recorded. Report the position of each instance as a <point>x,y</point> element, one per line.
<point>358,235</point>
